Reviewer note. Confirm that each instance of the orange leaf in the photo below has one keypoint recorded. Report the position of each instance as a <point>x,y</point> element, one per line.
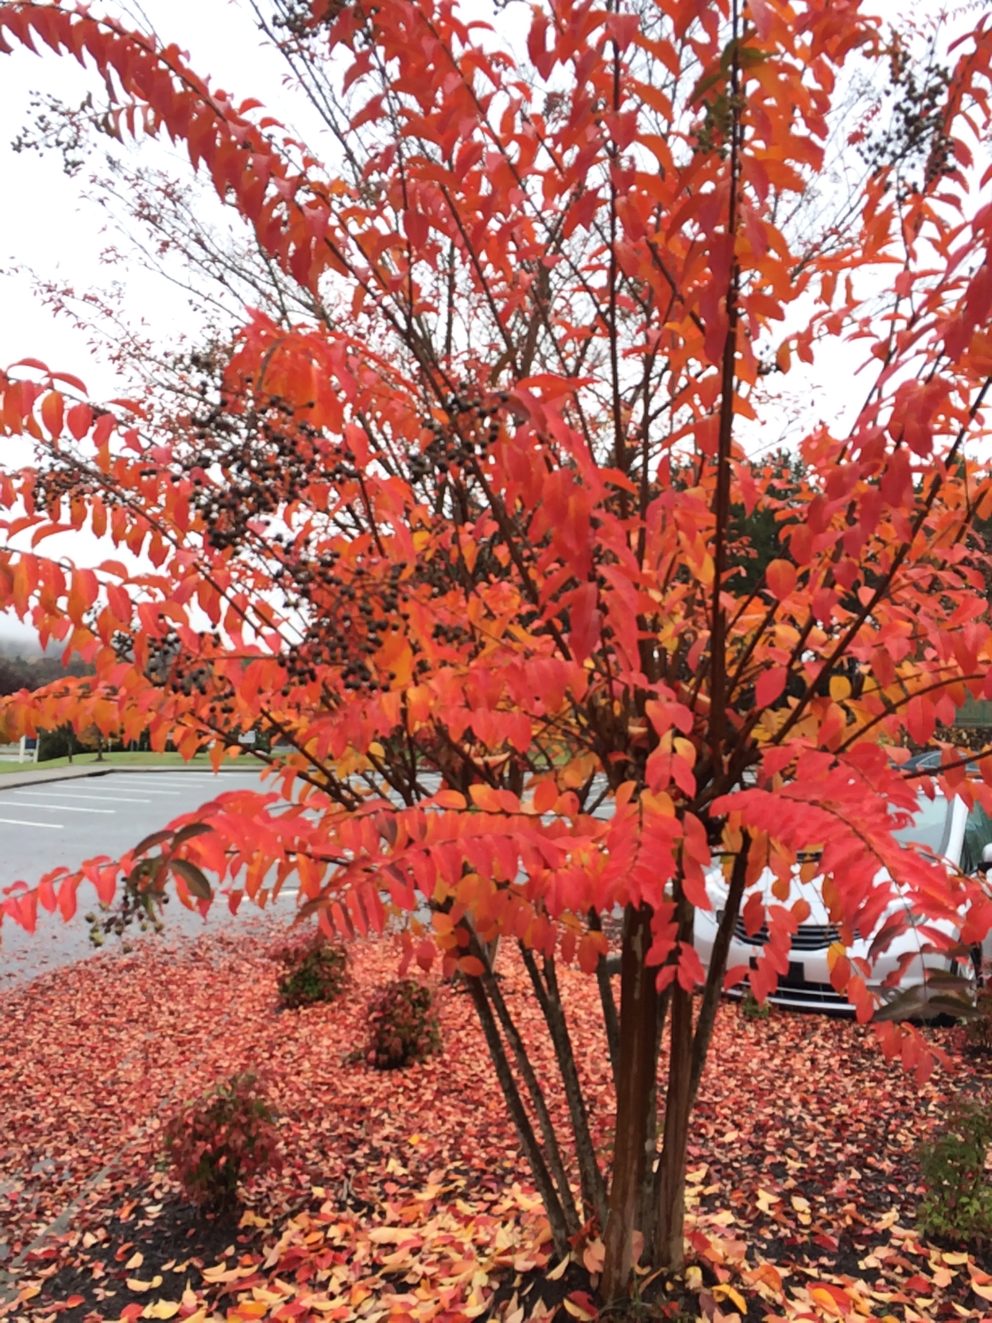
<point>450,799</point>
<point>472,966</point>
<point>781,578</point>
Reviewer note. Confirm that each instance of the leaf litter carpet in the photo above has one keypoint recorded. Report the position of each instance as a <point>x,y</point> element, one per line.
<point>401,1195</point>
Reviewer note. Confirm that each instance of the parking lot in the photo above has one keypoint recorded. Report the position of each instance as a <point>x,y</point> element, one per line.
<point>65,822</point>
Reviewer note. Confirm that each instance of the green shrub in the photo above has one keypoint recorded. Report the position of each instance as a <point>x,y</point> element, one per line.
<point>313,971</point>
<point>753,1009</point>
<point>402,1025</point>
<point>217,1141</point>
<point>957,1205</point>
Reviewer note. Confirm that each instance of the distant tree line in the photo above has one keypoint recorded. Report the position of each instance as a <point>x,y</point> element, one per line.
<point>35,672</point>
<point>31,673</point>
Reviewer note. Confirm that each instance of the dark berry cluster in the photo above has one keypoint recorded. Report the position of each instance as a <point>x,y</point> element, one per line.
<point>915,135</point>
<point>472,428</point>
<point>350,611</point>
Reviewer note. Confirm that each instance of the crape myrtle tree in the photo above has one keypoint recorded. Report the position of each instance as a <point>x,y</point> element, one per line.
<point>466,538</point>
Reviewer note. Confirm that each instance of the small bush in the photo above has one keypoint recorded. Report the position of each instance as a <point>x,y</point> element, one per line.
<point>314,971</point>
<point>217,1141</point>
<point>753,1009</point>
<point>957,1205</point>
<point>402,1025</point>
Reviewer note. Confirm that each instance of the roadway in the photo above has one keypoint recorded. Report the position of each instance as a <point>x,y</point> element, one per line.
<point>50,823</point>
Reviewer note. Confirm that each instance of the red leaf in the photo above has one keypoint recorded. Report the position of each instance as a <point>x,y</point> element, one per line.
<point>586,621</point>
<point>770,685</point>
<point>691,973</point>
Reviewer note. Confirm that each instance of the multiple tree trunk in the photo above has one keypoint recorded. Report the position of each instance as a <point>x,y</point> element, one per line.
<point>636,1200</point>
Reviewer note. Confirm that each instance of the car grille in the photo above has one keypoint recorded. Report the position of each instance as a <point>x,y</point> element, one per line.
<point>808,936</point>
<point>796,994</point>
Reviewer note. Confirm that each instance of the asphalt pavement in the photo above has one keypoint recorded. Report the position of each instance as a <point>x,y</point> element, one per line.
<point>65,816</point>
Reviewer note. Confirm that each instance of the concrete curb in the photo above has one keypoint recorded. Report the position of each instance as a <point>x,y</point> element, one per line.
<point>11,780</point>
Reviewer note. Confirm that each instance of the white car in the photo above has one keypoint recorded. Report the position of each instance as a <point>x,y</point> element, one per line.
<point>931,983</point>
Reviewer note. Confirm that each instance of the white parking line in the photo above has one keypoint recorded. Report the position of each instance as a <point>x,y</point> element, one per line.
<point>26,822</point>
<point>78,794</point>
<point>179,777</point>
<point>187,782</point>
<point>155,790</point>
<point>64,808</point>
<point>153,783</point>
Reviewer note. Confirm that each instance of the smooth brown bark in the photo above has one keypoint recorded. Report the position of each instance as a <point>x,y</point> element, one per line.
<point>718,966</point>
<point>668,1249</point>
<point>548,994</point>
<point>525,1131</point>
<point>611,1021</point>
<point>551,1149</point>
<point>637,1066</point>
<point>646,1219</point>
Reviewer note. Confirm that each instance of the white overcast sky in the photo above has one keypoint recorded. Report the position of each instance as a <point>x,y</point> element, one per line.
<point>46,224</point>
<point>49,225</point>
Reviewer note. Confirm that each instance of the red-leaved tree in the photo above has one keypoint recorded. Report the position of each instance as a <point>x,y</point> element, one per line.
<point>465,540</point>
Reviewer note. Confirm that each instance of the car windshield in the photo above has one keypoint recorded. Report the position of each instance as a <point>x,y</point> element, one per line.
<point>930,827</point>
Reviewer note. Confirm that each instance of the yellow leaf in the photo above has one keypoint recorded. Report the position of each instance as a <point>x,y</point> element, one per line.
<point>723,1291</point>
<point>834,953</point>
<point>555,1273</point>
<point>388,1235</point>
<point>137,1284</point>
<point>135,1261</point>
<point>705,569</point>
<point>161,1309</point>
<point>840,688</point>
